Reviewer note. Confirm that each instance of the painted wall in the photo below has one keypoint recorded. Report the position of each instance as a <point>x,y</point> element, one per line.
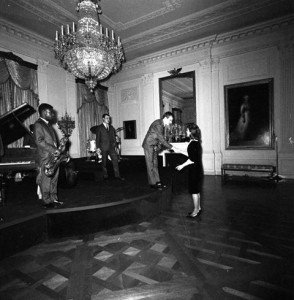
<point>262,51</point>
<point>259,52</point>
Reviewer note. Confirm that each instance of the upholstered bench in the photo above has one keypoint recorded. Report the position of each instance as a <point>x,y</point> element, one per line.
<point>269,169</point>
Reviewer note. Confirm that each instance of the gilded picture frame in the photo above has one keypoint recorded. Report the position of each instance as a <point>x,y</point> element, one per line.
<point>249,115</point>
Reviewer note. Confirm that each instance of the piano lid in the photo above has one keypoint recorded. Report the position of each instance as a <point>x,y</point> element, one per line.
<point>11,127</point>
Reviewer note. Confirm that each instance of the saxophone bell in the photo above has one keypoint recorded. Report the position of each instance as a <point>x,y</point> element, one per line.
<point>56,158</point>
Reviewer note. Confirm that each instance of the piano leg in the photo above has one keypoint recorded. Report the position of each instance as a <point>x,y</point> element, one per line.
<point>2,190</point>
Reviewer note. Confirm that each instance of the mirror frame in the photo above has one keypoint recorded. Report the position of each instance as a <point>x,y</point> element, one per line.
<point>180,75</point>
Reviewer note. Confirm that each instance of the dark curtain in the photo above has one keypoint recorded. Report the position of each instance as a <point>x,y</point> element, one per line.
<point>18,84</point>
<point>91,107</point>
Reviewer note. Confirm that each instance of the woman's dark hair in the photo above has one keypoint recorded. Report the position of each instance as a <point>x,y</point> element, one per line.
<point>195,132</point>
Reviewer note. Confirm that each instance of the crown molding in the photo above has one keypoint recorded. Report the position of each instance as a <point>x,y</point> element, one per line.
<point>186,48</point>
<point>59,9</point>
<point>214,41</point>
<point>168,6</point>
<point>255,30</point>
<point>36,41</point>
<point>23,34</point>
<point>25,42</point>
<point>54,13</point>
<point>222,12</point>
<point>47,10</point>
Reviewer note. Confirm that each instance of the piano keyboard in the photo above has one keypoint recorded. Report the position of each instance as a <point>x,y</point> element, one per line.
<point>17,166</point>
<point>17,163</point>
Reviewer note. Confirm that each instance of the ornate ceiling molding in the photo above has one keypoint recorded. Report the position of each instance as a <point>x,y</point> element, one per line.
<point>46,10</point>
<point>172,52</point>
<point>210,16</point>
<point>244,33</point>
<point>50,11</point>
<point>25,35</point>
<point>269,27</point>
<point>168,6</point>
<point>259,29</point>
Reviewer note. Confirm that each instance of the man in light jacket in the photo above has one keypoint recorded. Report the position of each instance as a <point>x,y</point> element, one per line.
<point>153,141</point>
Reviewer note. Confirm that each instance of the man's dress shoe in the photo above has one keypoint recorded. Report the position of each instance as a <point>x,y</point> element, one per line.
<point>54,204</point>
<point>49,205</point>
<point>158,186</point>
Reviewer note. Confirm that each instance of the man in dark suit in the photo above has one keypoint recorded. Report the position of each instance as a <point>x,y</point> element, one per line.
<point>47,143</point>
<point>106,142</point>
<point>153,142</point>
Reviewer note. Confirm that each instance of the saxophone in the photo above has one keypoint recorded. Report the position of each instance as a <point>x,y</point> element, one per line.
<point>54,160</point>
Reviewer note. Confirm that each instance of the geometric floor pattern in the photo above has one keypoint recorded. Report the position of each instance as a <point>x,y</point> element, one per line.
<point>232,265</point>
<point>240,248</point>
<point>97,268</point>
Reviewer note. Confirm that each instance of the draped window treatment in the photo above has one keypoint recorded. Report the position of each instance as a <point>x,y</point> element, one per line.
<point>18,84</point>
<point>91,107</point>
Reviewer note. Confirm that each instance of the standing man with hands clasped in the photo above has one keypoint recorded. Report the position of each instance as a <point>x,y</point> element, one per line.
<point>106,142</point>
<point>152,143</point>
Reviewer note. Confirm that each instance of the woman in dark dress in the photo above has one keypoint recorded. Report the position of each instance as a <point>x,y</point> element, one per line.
<point>194,163</point>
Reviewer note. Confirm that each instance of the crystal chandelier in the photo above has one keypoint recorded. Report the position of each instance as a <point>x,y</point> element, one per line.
<point>89,51</point>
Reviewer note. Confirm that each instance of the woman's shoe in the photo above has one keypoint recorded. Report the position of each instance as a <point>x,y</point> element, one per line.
<point>160,185</point>
<point>193,215</point>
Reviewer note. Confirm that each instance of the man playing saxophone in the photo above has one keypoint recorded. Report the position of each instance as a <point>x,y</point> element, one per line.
<point>47,145</point>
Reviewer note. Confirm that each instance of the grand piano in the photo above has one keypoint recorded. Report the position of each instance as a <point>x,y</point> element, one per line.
<point>14,160</point>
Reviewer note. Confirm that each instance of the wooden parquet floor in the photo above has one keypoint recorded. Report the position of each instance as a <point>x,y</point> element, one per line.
<point>241,247</point>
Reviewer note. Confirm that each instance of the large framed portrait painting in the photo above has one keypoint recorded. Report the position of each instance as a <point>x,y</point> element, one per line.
<point>249,113</point>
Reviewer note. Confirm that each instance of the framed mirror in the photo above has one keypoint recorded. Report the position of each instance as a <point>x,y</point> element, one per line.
<point>177,94</point>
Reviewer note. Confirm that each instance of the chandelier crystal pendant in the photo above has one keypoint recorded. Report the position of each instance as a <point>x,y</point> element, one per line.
<point>90,52</point>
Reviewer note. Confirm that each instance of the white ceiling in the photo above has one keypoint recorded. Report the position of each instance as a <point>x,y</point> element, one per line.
<point>146,26</point>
